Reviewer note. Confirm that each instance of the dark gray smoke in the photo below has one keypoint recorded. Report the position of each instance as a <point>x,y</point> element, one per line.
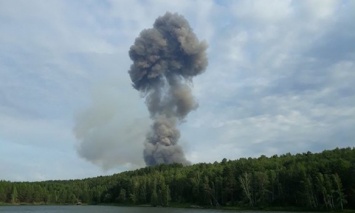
<point>165,58</point>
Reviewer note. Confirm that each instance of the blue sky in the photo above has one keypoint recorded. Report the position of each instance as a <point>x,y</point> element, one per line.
<point>280,79</point>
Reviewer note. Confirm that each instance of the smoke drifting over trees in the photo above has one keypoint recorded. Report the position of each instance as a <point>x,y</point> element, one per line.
<point>110,131</point>
<point>165,59</point>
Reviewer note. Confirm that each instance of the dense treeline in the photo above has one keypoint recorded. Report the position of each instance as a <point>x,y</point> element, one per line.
<point>316,181</point>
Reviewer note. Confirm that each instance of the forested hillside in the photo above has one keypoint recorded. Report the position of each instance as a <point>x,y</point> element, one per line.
<point>317,181</point>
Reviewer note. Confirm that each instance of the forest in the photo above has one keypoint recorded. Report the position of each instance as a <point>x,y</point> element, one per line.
<point>318,181</point>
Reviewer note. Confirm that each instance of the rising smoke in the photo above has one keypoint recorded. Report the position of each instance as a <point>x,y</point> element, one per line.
<point>110,131</point>
<point>165,58</point>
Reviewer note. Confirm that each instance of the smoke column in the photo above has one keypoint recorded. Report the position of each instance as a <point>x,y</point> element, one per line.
<point>165,58</point>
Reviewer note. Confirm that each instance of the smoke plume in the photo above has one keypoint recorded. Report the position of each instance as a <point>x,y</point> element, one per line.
<point>165,59</point>
<point>110,131</point>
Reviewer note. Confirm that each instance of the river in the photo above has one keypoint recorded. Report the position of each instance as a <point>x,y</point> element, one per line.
<point>106,209</point>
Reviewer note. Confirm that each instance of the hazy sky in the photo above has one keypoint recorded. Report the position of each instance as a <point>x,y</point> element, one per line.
<point>280,79</point>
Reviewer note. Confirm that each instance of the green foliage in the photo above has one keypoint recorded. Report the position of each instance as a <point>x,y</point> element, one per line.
<point>320,181</point>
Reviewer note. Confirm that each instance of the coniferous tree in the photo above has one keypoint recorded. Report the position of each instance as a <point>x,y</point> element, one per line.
<point>318,181</point>
<point>14,195</point>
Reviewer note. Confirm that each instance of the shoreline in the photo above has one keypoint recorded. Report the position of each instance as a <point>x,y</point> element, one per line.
<point>191,206</point>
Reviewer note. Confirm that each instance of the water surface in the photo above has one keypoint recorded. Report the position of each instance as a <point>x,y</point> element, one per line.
<point>100,209</point>
<point>108,209</point>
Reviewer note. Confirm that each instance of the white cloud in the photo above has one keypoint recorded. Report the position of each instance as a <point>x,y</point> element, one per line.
<point>274,88</point>
<point>321,9</point>
<point>263,11</point>
<point>34,131</point>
